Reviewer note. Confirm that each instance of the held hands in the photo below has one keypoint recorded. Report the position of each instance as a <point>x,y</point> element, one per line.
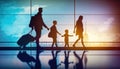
<point>60,34</point>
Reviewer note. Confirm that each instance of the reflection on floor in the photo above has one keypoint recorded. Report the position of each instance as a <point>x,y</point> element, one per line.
<point>59,59</point>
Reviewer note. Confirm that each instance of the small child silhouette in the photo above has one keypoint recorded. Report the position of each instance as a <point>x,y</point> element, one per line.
<point>66,37</point>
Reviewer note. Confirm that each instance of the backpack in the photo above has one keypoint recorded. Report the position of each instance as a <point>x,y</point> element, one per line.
<point>32,21</point>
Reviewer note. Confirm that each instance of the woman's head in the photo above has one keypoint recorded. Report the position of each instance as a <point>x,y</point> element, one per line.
<point>80,17</point>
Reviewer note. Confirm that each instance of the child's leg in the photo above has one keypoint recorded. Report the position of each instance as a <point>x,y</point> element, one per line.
<point>56,44</point>
<point>55,41</point>
<point>52,44</point>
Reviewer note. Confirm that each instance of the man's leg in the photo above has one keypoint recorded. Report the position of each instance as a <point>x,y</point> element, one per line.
<point>38,35</point>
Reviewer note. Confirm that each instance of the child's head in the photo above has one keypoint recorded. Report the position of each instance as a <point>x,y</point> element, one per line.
<point>54,22</point>
<point>66,31</point>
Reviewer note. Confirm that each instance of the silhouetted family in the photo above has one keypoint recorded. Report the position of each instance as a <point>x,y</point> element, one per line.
<point>37,24</point>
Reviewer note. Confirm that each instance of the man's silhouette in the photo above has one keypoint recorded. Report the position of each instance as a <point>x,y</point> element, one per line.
<point>37,24</point>
<point>79,30</point>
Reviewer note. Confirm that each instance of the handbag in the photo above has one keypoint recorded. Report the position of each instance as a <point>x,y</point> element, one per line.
<point>50,34</point>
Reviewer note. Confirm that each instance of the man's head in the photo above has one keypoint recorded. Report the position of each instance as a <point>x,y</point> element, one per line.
<point>40,9</point>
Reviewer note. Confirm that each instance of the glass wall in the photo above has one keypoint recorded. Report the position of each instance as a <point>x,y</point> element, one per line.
<point>101,22</point>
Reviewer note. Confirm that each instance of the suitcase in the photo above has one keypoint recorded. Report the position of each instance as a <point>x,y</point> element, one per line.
<point>24,57</point>
<point>25,39</point>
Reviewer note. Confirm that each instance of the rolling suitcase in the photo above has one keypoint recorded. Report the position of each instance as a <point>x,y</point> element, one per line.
<point>25,39</point>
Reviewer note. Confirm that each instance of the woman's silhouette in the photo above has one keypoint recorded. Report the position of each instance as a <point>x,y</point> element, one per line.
<point>54,32</point>
<point>79,30</point>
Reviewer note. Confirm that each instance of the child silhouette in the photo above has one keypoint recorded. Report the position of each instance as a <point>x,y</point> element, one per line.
<point>54,33</point>
<point>66,38</point>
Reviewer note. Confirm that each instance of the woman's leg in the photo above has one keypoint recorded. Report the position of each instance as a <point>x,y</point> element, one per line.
<point>82,42</point>
<point>76,41</point>
<point>65,45</point>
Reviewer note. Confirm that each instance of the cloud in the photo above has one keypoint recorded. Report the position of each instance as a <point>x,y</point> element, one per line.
<point>106,24</point>
<point>17,22</point>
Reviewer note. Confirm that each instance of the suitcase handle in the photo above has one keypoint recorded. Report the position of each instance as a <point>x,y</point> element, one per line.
<point>30,32</point>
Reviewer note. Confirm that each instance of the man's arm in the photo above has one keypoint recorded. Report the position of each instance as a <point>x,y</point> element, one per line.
<point>45,26</point>
<point>58,33</point>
